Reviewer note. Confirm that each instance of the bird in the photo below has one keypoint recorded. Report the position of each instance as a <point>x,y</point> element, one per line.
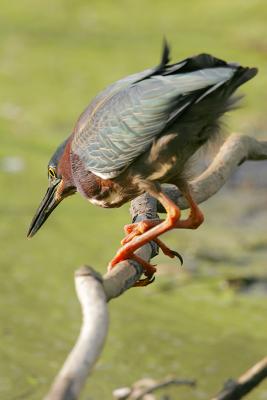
<point>139,133</point>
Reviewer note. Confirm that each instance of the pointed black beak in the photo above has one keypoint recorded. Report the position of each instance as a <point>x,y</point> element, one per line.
<point>47,205</point>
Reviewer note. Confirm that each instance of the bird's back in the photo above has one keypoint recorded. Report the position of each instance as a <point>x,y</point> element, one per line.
<point>123,121</point>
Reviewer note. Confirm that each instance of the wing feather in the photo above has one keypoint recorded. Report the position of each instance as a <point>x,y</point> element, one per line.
<point>126,122</point>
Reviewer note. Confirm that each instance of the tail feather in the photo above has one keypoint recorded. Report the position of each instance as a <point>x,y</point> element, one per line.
<point>198,114</point>
<point>191,64</point>
<point>201,118</point>
<point>165,58</point>
<point>241,76</point>
<point>210,103</point>
<point>200,61</point>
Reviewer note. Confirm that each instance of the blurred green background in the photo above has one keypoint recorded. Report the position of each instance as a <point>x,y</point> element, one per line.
<point>54,57</point>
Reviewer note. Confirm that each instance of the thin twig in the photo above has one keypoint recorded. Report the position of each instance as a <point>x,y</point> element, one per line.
<point>164,383</point>
<point>146,386</point>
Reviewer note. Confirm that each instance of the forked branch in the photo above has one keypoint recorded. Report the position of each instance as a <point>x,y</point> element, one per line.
<point>94,291</point>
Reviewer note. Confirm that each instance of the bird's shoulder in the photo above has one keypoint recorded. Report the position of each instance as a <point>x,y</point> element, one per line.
<point>106,95</point>
<point>118,87</point>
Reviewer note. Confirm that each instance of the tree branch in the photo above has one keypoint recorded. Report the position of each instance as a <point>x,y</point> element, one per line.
<point>94,292</point>
<point>235,390</point>
<point>235,151</point>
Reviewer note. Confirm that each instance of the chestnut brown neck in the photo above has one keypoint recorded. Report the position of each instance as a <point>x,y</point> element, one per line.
<point>88,184</point>
<point>64,165</point>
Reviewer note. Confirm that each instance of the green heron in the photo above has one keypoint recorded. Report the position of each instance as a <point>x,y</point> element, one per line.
<point>138,133</point>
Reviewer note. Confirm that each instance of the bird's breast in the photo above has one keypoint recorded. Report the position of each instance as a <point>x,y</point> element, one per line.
<point>109,198</point>
<point>115,192</point>
<point>105,193</point>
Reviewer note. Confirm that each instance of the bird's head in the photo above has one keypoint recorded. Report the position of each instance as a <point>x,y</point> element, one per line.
<point>60,186</point>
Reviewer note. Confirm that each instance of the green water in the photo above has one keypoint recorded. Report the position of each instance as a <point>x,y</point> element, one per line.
<point>54,57</point>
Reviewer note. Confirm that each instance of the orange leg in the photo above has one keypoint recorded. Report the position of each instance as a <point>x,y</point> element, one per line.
<point>195,217</point>
<point>138,228</point>
<point>173,215</point>
<point>146,231</point>
<point>193,221</point>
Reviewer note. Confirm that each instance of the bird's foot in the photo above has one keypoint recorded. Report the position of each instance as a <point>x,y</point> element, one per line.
<point>137,229</point>
<point>149,269</point>
<point>133,230</point>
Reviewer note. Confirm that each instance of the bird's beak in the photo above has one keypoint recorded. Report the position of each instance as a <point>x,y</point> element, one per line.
<point>47,205</point>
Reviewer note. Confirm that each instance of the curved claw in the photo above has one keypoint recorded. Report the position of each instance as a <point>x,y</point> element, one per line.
<point>176,254</point>
<point>168,252</point>
<point>144,282</point>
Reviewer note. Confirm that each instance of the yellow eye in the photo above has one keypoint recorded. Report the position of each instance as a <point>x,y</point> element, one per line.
<point>52,173</point>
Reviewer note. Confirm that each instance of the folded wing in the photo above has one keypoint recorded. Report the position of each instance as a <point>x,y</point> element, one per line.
<point>124,125</point>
